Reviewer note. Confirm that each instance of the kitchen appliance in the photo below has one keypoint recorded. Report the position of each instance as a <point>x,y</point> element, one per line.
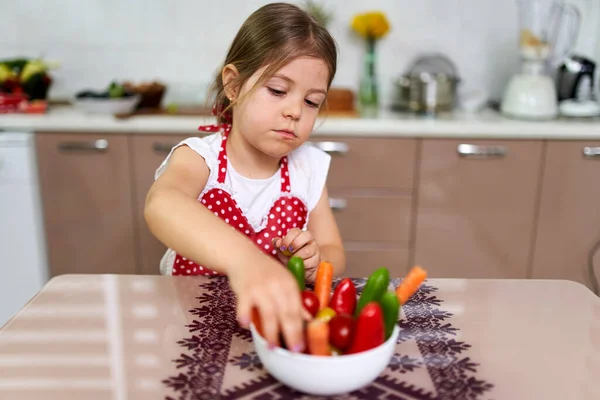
<point>23,264</point>
<point>548,30</point>
<point>429,86</point>
<point>576,88</point>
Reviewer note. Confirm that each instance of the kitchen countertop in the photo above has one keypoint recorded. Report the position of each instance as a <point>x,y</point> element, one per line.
<point>149,337</point>
<point>485,124</point>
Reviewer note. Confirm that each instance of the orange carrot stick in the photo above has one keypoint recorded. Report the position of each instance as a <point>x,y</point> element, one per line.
<point>257,321</point>
<point>410,284</point>
<point>317,335</point>
<point>323,283</point>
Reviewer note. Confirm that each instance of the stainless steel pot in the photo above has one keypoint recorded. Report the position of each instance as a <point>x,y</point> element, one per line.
<point>429,86</point>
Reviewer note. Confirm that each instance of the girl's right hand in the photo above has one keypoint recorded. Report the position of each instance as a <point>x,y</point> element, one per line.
<point>270,288</point>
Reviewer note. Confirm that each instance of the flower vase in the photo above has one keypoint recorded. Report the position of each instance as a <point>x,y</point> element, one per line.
<point>368,91</point>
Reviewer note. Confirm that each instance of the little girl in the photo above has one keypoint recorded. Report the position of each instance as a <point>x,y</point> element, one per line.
<point>243,199</point>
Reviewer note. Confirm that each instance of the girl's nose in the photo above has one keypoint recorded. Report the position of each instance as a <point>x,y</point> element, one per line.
<point>293,109</point>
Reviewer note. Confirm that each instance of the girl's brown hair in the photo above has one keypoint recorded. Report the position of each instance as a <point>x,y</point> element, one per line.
<point>273,35</point>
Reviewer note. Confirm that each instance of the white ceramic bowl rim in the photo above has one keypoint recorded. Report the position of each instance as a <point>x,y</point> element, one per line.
<point>330,359</point>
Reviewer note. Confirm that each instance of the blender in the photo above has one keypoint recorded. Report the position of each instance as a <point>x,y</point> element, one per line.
<point>548,31</point>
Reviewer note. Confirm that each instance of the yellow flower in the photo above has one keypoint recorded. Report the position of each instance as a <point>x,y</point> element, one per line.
<point>371,25</point>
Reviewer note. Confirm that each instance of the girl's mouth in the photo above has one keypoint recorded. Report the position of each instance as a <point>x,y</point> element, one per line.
<point>286,133</point>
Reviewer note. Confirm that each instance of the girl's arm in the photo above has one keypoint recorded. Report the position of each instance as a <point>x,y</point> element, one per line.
<point>324,229</point>
<point>175,217</point>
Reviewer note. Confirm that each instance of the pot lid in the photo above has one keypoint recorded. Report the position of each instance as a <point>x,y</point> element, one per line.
<point>433,65</point>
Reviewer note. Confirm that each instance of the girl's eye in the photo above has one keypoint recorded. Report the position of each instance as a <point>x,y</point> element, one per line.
<point>312,104</point>
<point>276,92</point>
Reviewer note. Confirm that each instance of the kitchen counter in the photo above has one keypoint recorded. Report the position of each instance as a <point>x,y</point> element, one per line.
<point>155,337</point>
<point>486,124</point>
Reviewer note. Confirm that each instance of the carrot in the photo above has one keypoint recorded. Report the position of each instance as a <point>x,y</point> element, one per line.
<point>317,335</point>
<point>257,321</point>
<point>410,284</point>
<point>323,283</point>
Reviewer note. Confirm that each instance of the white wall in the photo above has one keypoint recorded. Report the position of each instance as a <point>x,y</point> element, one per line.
<point>182,41</point>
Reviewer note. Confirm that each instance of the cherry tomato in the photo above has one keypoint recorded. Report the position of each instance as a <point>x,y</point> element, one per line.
<point>341,328</point>
<point>310,302</point>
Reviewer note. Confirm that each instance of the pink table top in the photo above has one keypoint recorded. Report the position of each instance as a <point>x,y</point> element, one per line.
<point>154,337</point>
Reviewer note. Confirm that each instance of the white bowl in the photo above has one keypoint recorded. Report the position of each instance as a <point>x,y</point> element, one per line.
<point>122,105</point>
<point>322,375</point>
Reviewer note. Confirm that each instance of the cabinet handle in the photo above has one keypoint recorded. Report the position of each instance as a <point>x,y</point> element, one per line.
<point>337,204</point>
<point>331,147</point>
<point>591,152</point>
<point>162,147</point>
<point>483,151</point>
<point>100,145</point>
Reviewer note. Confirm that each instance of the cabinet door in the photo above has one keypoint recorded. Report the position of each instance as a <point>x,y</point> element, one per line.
<point>385,164</point>
<point>86,195</point>
<point>476,207</point>
<point>569,220</point>
<point>148,152</point>
<point>375,231</point>
<point>362,259</point>
<point>371,183</point>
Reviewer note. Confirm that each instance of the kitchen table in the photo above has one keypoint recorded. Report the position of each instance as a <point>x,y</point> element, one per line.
<point>146,337</point>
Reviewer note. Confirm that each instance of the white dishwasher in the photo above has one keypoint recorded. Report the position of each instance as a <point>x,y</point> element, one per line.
<point>23,262</point>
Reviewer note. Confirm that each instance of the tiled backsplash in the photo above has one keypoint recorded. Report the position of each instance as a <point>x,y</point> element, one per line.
<point>183,41</point>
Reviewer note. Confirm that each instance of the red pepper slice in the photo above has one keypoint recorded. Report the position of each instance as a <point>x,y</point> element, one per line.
<point>343,300</point>
<point>369,331</point>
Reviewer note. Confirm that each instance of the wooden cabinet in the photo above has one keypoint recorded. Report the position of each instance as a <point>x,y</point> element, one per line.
<point>371,183</point>
<point>148,151</point>
<point>569,220</point>
<point>86,194</point>
<point>465,209</point>
<point>476,207</point>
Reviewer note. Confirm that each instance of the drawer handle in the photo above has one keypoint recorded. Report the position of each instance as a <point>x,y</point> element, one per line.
<point>591,152</point>
<point>337,204</point>
<point>331,147</point>
<point>484,151</point>
<point>100,145</point>
<point>162,147</point>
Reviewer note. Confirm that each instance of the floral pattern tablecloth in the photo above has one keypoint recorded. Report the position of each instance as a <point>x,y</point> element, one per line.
<point>218,360</point>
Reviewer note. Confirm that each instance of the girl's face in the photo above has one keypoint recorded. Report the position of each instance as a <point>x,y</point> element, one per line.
<point>280,114</point>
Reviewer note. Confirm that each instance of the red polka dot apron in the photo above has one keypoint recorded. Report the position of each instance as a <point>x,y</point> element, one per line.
<point>286,213</point>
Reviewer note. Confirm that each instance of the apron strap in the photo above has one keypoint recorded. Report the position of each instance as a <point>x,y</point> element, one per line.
<point>222,159</point>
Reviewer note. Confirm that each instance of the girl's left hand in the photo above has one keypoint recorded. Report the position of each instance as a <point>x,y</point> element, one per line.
<point>301,244</point>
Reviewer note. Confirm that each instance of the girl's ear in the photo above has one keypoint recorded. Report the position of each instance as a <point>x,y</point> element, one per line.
<point>229,75</point>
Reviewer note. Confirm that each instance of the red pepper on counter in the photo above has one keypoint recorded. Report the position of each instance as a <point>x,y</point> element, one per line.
<point>369,331</point>
<point>343,300</point>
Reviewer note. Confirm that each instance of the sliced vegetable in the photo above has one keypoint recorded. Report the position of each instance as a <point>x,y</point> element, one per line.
<point>325,314</point>
<point>410,284</point>
<point>390,307</point>
<point>344,297</point>
<point>369,329</point>
<point>310,302</point>
<point>341,328</point>
<point>257,321</point>
<point>296,266</point>
<point>335,351</point>
<point>317,333</point>
<point>323,283</point>
<point>287,253</point>
<point>376,285</point>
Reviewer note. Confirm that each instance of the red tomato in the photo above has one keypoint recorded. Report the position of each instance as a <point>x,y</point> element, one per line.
<point>341,329</point>
<point>310,302</point>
